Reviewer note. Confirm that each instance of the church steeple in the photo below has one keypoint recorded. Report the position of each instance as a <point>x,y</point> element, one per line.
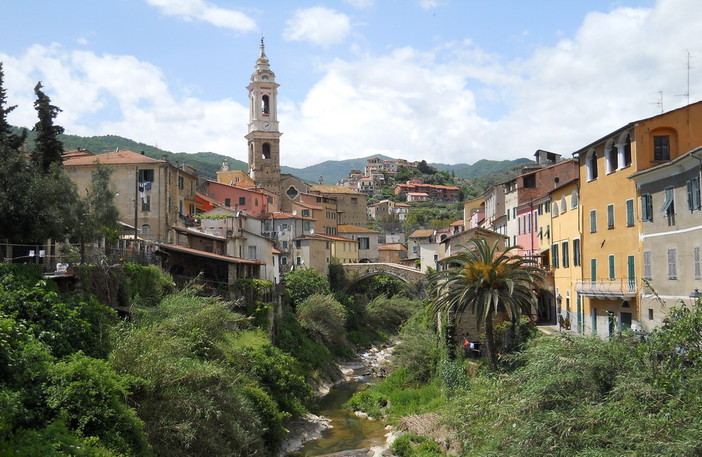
<point>264,137</point>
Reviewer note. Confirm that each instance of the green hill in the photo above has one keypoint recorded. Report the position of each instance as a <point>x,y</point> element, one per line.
<point>207,163</point>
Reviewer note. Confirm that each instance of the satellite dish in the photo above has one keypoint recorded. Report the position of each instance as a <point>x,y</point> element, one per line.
<point>238,213</point>
<point>294,213</point>
<point>311,231</point>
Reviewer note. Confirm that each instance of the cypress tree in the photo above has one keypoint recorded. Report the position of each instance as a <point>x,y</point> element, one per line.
<point>48,147</point>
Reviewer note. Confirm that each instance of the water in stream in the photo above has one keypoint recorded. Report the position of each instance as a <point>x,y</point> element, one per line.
<point>347,430</point>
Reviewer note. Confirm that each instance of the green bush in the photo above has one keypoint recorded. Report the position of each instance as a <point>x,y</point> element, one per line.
<point>389,314</point>
<point>419,351</point>
<point>291,338</point>
<point>147,285</point>
<point>89,396</point>
<point>302,283</point>
<point>411,445</point>
<point>325,319</point>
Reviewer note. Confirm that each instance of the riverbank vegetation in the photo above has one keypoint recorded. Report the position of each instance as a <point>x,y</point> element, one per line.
<point>561,395</point>
<point>176,373</point>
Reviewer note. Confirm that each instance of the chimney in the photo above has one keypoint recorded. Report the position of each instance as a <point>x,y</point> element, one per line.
<point>142,153</point>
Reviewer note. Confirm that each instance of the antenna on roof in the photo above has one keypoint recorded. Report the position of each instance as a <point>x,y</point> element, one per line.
<point>659,103</point>
<point>689,67</point>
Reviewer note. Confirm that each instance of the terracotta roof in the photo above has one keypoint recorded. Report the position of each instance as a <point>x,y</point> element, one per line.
<point>329,189</point>
<point>275,251</point>
<point>123,156</point>
<point>422,233</point>
<point>418,194</point>
<point>286,215</point>
<point>403,205</point>
<point>338,238</point>
<point>199,233</point>
<point>392,247</point>
<point>209,255</point>
<point>344,228</point>
<point>458,222</point>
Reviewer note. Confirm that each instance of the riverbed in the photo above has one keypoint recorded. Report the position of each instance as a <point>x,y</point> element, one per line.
<point>334,428</point>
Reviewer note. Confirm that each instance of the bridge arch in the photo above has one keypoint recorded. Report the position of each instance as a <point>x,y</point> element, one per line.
<point>358,272</point>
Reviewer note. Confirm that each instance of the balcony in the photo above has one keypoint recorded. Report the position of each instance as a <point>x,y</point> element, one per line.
<point>611,289</point>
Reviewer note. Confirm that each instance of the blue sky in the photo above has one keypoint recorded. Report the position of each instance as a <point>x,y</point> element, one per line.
<point>443,80</point>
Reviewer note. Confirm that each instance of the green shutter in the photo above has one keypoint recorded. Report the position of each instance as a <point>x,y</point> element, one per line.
<point>593,269</point>
<point>610,216</point>
<point>593,221</point>
<point>611,267</point>
<point>629,213</point>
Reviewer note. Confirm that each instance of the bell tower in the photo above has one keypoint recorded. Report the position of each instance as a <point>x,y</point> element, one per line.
<point>263,136</point>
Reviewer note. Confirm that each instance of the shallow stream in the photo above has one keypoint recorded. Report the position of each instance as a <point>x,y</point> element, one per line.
<point>347,431</point>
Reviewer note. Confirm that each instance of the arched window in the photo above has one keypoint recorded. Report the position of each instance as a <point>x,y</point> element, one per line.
<point>564,205</point>
<point>574,199</point>
<point>266,106</point>
<point>266,151</point>
<point>591,165</point>
<point>626,153</point>
<point>146,229</point>
<point>555,212</point>
<point>611,157</point>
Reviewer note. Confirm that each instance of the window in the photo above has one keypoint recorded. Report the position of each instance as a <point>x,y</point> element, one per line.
<point>146,229</point>
<point>146,175</point>
<point>576,252</point>
<point>627,151</point>
<point>265,105</point>
<point>181,182</point>
<point>646,207</point>
<point>298,244</point>
<point>554,255</point>
<point>661,148</point>
<point>630,213</point>
<point>591,165</point>
<point>574,199</point>
<point>363,243</point>
<point>305,213</point>
<point>669,205</point>
<point>611,267</point>
<point>647,264</point>
<point>519,226</point>
<point>180,207</point>
<point>298,260</point>
<point>227,202</point>
<point>555,209</point>
<point>252,253</point>
<point>610,216</point>
<point>650,314</point>
<point>564,250</point>
<point>672,264</point>
<point>306,226</point>
<point>612,157</point>
<point>285,245</point>
<point>283,260</point>
<point>593,269</point>
<point>631,272</point>
<point>593,221</point>
<point>564,206</point>
<point>696,257</point>
<point>146,203</point>
<point>693,194</point>
<point>529,181</point>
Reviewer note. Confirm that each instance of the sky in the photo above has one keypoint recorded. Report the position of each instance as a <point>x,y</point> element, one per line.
<point>450,81</point>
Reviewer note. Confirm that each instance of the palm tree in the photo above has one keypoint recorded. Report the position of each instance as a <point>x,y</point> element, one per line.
<point>484,281</point>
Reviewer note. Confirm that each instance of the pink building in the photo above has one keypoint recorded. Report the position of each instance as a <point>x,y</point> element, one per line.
<point>253,202</point>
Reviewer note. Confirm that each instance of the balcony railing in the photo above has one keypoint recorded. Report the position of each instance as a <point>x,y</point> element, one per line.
<point>608,288</point>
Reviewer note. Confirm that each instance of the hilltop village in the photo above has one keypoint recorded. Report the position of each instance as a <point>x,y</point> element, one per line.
<point>613,226</point>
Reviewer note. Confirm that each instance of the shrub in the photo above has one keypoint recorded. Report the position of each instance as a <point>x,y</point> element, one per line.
<point>89,395</point>
<point>418,351</point>
<point>389,313</point>
<point>147,285</point>
<point>302,283</point>
<point>325,319</point>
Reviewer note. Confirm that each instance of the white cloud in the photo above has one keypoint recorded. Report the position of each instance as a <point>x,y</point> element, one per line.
<point>318,25</point>
<point>430,4</point>
<point>200,10</point>
<point>130,97</point>
<point>455,103</point>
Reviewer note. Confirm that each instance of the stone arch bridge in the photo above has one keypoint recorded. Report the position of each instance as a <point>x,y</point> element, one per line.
<point>357,272</point>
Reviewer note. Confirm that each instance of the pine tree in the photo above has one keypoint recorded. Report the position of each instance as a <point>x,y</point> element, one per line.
<point>48,147</point>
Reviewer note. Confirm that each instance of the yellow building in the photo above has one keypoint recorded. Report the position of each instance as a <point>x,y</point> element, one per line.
<point>611,216</point>
<point>562,231</point>
<point>343,249</point>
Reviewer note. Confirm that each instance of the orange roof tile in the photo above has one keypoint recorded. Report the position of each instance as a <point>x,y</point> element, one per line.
<point>344,228</point>
<point>123,156</point>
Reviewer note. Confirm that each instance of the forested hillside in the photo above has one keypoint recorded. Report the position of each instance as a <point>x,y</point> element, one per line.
<point>207,163</point>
